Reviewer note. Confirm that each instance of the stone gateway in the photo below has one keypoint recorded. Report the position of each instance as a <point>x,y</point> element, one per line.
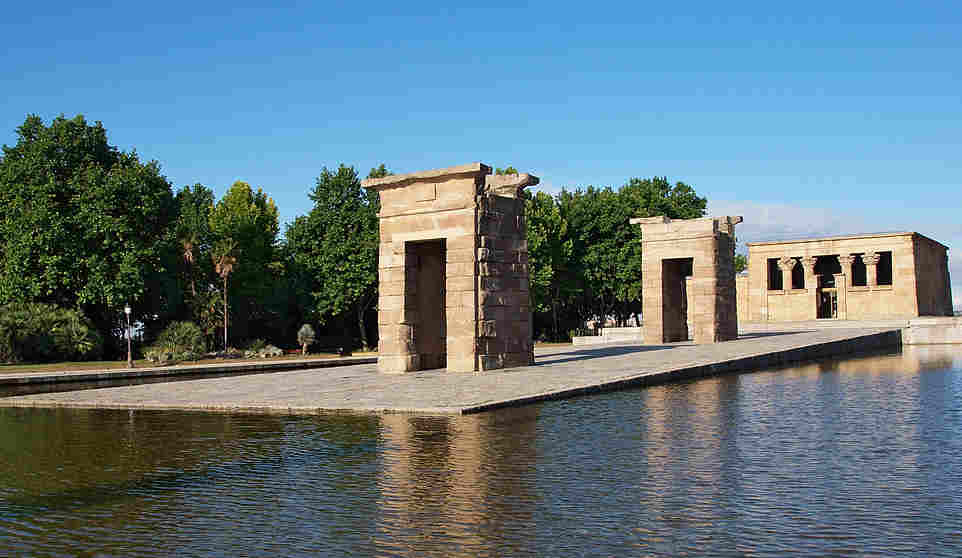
<point>688,279</point>
<point>453,271</point>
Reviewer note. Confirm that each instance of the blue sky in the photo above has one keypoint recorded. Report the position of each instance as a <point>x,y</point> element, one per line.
<point>809,118</point>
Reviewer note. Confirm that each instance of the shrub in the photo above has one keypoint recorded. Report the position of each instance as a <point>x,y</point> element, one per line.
<point>37,332</point>
<point>305,337</point>
<point>268,351</point>
<point>178,342</point>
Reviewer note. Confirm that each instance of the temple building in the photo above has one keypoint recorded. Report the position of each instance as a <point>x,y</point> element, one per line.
<point>873,276</point>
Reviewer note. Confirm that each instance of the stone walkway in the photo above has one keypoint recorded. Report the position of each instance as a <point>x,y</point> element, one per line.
<point>559,372</point>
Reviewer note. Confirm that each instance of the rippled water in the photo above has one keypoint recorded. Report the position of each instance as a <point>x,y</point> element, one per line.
<point>861,457</point>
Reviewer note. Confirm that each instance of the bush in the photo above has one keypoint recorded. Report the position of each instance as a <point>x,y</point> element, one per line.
<point>305,337</point>
<point>178,342</point>
<point>267,351</point>
<point>36,332</point>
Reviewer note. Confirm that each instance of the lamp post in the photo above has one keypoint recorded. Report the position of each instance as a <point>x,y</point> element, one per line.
<point>130,359</point>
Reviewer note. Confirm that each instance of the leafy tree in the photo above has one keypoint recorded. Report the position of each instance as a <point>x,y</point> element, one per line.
<point>244,227</point>
<point>334,247</point>
<point>507,170</point>
<point>83,224</point>
<point>379,172</point>
<point>585,256</point>
<point>741,263</point>
<point>549,255</point>
<point>194,204</point>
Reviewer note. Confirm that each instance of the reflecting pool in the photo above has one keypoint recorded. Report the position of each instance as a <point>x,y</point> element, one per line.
<point>860,457</point>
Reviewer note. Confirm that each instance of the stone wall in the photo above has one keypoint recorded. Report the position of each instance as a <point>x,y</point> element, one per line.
<point>932,272</point>
<point>741,296</point>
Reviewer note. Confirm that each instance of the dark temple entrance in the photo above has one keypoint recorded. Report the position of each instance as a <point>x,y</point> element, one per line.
<point>430,329</point>
<point>675,298</point>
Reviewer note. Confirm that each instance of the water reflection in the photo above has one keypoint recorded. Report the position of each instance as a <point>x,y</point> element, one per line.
<point>455,486</point>
<point>859,456</point>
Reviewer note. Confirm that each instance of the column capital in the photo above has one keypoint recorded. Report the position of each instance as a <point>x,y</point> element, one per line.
<point>786,263</point>
<point>808,262</point>
<point>845,260</point>
<point>871,258</point>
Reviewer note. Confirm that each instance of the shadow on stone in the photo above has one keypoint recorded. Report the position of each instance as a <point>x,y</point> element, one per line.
<point>587,354</point>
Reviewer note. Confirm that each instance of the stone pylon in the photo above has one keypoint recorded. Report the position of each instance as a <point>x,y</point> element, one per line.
<point>453,270</point>
<point>688,277</point>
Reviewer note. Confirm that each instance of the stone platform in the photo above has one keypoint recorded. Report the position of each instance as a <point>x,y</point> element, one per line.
<point>560,372</point>
<point>22,378</point>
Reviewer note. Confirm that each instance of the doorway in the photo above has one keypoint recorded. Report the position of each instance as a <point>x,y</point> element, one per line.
<point>674,298</point>
<point>430,329</point>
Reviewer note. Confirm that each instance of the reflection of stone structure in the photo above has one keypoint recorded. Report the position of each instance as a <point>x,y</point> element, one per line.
<point>893,275</point>
<point>688,277</point>
<point>453,270</point>
<point>471,474</point>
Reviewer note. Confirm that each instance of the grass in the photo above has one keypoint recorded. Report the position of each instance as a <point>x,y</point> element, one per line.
<point>120,364</point>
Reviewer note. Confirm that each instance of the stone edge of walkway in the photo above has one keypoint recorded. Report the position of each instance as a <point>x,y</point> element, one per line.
<point>857,344</point>
<point>14,379</point>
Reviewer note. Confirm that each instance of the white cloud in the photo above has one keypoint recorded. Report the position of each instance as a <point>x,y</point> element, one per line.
<point>784,221</point>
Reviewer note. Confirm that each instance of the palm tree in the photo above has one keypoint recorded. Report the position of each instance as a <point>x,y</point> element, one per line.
<point>189,239</point>
<point>224,262</point>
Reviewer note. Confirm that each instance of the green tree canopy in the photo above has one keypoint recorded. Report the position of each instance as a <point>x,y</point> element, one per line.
<point>243,227</point>
<point>334,247</point>
<point>83,224</point>
<point>585,256</point>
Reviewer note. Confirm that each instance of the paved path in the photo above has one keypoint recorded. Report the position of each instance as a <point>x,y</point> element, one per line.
<point>559,372</point>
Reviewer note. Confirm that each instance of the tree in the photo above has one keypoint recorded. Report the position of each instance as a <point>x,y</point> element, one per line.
<point>305,336</point>
<point>84,225</point>
<point>379,172</point>
<point>507,170</point>
<point>244,227</point>
<point>585,256</point>
<point>224,261</point>
<point>334,247</point>
<point>549,253</point>
<point>741,263</point>
<point>193,232</point>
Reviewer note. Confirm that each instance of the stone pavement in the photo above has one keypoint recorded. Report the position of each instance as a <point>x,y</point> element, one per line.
<point>559,372</point>
<point>246,366</point>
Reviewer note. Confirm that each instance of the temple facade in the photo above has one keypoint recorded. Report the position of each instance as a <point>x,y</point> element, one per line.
<point>875,276</point>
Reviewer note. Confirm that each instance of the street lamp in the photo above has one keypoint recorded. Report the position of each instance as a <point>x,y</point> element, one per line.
<point>130,359</point>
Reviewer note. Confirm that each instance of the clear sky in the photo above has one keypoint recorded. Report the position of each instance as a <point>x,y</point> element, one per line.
<point>805,117</point>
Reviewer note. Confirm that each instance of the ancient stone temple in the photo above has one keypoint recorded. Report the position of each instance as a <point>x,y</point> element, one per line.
<point>857,277</point>
<point>453,271</point>
<point>688,279</point>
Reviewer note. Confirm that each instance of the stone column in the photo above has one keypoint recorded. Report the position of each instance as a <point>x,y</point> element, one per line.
<point>842,281</point>
<point>811,285</point>
<point>871,260</point>
<point>786,264</point>
<point>845,261</point>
